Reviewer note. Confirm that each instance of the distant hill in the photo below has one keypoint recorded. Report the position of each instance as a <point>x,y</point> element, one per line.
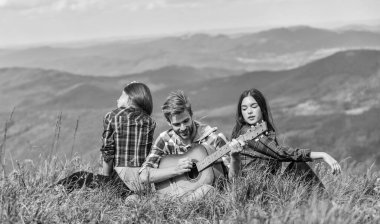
<point>345,77</point>
<point>330,104</point>
<point>40,88</point>
<point>275,49</point>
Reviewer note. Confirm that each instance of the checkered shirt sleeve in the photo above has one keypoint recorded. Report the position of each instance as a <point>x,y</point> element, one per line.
<point>267,145</point>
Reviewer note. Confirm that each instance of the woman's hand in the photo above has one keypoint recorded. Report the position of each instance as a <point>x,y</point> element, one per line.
<point>335,167</point>
<point>236,147</point>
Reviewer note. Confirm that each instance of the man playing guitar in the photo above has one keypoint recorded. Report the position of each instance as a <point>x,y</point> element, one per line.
<point>183,135</point>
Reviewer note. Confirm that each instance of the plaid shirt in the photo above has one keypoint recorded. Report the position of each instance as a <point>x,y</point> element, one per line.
<point>169,142</point>
<point>127,137</point>
<point>266,147</point>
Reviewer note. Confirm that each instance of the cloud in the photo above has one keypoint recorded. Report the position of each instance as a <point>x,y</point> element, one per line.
<point>20,4</point>
<point>82,5</point>
<point>41,6</point>
<point>50,5</point>
<point>135,5</point>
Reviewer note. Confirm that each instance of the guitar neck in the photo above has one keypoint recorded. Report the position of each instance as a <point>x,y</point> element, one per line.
<point>210,159</point>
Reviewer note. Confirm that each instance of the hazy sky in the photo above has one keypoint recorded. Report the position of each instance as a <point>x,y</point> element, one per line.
<point>38,21</point>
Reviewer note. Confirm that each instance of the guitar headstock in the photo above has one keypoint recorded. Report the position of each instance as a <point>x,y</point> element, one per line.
<point>255,131</point>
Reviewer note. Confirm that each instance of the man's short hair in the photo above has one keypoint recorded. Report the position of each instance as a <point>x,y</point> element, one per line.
<point>176,103</point>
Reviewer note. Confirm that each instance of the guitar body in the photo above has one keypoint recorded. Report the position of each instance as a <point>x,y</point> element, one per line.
<point>192,180</point>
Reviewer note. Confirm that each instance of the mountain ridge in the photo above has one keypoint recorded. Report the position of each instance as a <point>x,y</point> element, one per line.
<point>315,105</point>
<point>274,49</point>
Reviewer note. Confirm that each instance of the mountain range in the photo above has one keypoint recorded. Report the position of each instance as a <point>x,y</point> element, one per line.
<point>330,104</point>
<point>275,49</point>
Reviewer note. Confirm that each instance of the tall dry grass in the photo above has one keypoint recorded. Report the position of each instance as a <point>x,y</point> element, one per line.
<point>27,196</point>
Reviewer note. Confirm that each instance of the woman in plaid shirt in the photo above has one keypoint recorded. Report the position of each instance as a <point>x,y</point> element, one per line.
<point>264,152</point>
<point>127,140</point>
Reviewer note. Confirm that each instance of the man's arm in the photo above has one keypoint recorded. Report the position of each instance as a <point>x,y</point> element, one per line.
<point>154,175</point>
<point>149,173</point>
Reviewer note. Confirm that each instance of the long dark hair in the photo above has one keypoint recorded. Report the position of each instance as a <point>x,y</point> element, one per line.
<point>140,95</point>
<point>265,110</point>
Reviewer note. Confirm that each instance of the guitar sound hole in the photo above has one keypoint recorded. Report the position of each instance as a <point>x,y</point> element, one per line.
<point>193,173</point>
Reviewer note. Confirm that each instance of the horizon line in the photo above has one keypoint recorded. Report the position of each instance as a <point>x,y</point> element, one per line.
<point>229,31</point>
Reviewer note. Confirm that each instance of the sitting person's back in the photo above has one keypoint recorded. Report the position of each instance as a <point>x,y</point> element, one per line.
<point>127,140</point>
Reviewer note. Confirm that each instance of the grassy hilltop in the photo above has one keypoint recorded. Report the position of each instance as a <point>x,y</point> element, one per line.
<point>26,197</point>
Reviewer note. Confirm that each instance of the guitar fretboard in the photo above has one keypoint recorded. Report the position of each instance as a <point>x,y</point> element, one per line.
<point>210,159</point>
<point>213,157</point>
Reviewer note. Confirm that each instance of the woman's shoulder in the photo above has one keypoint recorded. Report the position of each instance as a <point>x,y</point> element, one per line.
<point>130,113</point>
<point>138,115</point>
<point>116,111</point>
<point>113,113</point>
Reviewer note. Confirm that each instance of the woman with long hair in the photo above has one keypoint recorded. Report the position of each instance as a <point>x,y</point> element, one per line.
<point>127,140</point>
<point>265,152</point>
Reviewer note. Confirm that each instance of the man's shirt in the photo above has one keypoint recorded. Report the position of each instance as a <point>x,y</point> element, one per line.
<point>127,136</point>
<point>168,142</point>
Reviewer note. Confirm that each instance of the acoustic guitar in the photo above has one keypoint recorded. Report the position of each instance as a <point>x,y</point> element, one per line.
<point>203,170</point>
